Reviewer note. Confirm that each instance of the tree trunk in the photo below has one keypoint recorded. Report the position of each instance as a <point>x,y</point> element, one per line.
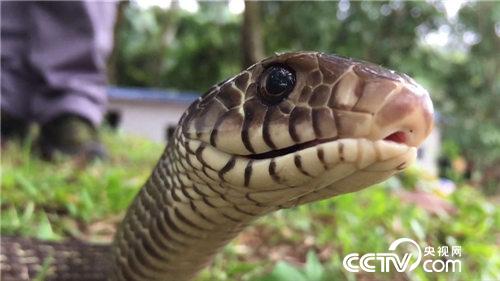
<point>113,58</point>
<point>251,34</point>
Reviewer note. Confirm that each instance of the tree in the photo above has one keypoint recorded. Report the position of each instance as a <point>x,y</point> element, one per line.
<point>251,34</point>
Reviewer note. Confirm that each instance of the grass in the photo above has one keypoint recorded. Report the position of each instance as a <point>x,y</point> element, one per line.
<point>55,201</point>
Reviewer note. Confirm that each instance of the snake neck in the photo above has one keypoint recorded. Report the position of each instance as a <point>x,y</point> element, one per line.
<point>179,220</point>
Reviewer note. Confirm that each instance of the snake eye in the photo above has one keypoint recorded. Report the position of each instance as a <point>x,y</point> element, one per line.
<point>276,83</point>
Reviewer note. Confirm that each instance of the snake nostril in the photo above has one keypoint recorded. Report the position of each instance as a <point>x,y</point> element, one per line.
<point>399,137</point>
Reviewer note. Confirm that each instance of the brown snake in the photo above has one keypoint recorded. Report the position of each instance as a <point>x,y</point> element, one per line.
<point>292,129</point>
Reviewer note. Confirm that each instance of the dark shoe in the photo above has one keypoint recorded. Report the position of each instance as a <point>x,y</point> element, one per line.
<point>13,128</point>
<point>70,135</point>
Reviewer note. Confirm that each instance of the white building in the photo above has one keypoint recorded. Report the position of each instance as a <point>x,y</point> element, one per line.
<point>147,112</point>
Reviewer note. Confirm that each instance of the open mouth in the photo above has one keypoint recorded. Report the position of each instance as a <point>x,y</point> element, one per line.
<point>397,137</point>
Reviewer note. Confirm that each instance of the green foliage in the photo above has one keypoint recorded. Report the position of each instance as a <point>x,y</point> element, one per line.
<point>473,87</point>
<point>313,270</point>
<point>53,200</point>
<point>370,220</point>
<point>381,32</point>
<point>45,269</point>
<point>173,49</point>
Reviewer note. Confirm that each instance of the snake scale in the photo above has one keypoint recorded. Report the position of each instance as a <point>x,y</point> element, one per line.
<point>292,129</point>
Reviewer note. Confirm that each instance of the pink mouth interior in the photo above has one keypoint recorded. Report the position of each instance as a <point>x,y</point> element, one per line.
<point>399,137</point>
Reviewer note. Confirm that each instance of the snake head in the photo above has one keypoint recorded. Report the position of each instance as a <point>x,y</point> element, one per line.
<point>300,127</point>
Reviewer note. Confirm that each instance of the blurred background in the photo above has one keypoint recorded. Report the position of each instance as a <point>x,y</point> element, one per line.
<point>168,53</point>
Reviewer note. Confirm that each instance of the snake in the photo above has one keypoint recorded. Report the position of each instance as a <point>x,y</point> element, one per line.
<point>292,129</point>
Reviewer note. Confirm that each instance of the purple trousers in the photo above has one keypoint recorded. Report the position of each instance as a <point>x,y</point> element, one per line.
<point>53,58</point>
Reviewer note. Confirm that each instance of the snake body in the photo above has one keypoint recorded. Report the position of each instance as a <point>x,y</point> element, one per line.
<point>292,129</point>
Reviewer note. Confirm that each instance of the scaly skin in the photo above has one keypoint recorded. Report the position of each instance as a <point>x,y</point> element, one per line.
<point>235,157</point>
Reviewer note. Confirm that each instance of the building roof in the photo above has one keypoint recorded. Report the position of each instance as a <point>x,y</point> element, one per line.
<point>153,95</point>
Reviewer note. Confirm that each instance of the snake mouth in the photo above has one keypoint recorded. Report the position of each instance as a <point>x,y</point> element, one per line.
<point>398,137</point>
<point>289,149</point>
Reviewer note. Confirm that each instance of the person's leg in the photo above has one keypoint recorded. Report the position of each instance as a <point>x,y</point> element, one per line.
<point>17,81</point>
<point>70,43</point>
